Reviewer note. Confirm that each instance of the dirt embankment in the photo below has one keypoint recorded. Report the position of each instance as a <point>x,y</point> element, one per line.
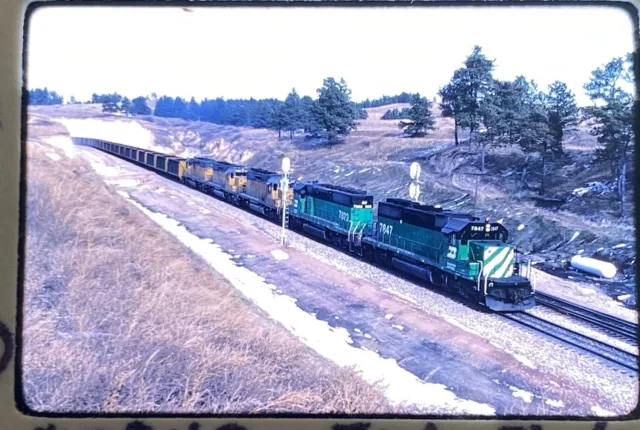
<point>120,317</point>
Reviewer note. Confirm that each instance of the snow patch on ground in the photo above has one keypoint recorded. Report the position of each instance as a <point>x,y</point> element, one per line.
<point>279,255</point>
<point>63,142</point>
<point>601,412</point>
<point>522,394</point>
<point>204,211</point>
<point>54,157</point>
<point>398,326</point>
<point>388,316</point>
<point>555,403</point>
<point>332,343</point>
<point>127,132</point>
<point>365,170</point>
<point>357,330</point>
<point>520,227</point>
<point>620,245</point>
<point>125,183</point>
<point>101,168</point>
<point>595,187</point>
<point>367,335</point>
<point>350,173</point>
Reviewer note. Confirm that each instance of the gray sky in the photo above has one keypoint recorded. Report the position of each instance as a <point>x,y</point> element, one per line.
<point>264,52</point>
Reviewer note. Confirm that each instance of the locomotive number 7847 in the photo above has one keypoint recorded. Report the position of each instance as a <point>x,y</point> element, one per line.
<point>386,229</point>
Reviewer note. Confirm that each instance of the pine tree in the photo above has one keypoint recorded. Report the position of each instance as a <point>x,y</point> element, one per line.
<point>193,110</point>
<point>164,107</point>
<point>476,80</point>
<point>612,115</point>
<point>72,100</point>
<point>292,112</point>
<point>308,122</point>
<point>109,107</point>
<point>454,99</point>
<point>421,118</point>
<point>333,111</point>
<point>180,108</point>
<point>125,105</point>
<point>562,114</point>
<point>277,119</point>
<point>491,114</point>
<point>139,106</point>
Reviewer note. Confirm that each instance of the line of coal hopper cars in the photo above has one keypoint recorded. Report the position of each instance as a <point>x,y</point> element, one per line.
<point>455,251</point>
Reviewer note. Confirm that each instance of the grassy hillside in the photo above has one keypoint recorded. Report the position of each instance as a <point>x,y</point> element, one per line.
<point>121,317</point>
<point>376,158</point>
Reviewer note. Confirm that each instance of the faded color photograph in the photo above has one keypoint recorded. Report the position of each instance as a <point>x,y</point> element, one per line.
<point>328,210</point>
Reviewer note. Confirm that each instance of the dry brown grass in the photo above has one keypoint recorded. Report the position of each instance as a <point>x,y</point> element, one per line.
<point>120,317</point>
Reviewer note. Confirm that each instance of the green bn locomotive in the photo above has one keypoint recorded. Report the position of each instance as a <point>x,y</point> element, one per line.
<point>452,250</point>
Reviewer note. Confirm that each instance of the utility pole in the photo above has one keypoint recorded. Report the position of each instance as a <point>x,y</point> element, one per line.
<point>284,187</point>
<point>475,195</point>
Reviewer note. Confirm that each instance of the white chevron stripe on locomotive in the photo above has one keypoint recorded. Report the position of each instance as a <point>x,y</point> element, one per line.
<point>506,265</point>
<point>496,260</point>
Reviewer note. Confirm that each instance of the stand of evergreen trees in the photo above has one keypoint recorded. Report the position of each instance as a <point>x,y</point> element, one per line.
<point>396,114</point>
<point>44,97</point>
<point>387,100</point>
<point>508,112</point>
<point>498,113</point>
<point>332,115</point>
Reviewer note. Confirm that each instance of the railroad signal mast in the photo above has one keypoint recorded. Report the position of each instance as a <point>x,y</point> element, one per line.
<point>414,187</point>
<point>284,188</point>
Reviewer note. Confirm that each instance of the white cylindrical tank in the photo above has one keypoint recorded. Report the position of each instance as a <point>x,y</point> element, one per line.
<point>593,266</point>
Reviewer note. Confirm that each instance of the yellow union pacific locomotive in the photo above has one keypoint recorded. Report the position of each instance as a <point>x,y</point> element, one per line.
<point>256,189</point>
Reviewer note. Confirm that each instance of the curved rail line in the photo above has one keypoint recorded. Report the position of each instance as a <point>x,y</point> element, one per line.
<point>615,355</point>
<point>610,353</point>
<point>614,326</point>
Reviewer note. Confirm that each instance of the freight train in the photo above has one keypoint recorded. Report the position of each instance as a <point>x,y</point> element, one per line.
<point>454,251</point>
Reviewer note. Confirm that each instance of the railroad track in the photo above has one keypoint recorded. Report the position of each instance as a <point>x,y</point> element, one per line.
<point>615,327</point>
<point>619,357</point>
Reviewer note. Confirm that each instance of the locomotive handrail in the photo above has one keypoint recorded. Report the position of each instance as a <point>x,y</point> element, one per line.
<point>479,274</point>
<point>485,283</point>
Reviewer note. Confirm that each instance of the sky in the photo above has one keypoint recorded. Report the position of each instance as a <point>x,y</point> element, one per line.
<point>265,52</point>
